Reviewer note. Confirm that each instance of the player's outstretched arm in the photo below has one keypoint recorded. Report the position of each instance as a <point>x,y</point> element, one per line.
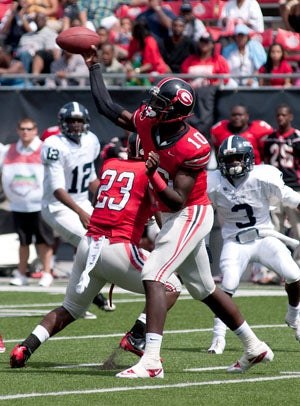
<point>105,106</point>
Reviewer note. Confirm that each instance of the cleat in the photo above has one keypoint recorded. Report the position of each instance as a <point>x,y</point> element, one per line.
<point>217,346</point>
<point>263,353</point>
<point>46,280</point>
<point>19,356</point>
<point>89,316</point>
<point>103,304</point>
<point>2,345</point>
<point>19,280</point>
<point>132,344</point>
<point>295,325</point>
<point>139,371</point>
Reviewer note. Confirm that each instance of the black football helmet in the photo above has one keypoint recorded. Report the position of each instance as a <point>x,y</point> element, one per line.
<point>134,147</point>
<point>235,148</point>
<point>73,119</point>
<point>172,99</point>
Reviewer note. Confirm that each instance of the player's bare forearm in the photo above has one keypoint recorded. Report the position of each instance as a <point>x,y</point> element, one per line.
<point>176,197</point>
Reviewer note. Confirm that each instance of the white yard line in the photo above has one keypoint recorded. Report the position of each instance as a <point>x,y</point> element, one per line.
<point>151,387</point>
<point>190,331</point>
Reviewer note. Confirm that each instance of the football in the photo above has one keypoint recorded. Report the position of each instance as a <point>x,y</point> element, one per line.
<point>77,39</point>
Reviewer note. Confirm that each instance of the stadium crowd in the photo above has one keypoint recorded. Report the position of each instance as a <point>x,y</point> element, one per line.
<point>153,37</point>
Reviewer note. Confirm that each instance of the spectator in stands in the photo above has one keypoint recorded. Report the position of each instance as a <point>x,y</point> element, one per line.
<point>236,12</point>
<point>194,27</point>
<point>290,13</point>
<point>177,47</point>
<point>143,53</point>
<point>158,18</point>
<point>64,66</point>
<point>120,53</point>
<point>70,14</point>
<point>204,63</point>
<point>294,17</point>
<point>94,13</point>
<point>39,44</point>
<point>22,179</point>
<point>244,56</point>
<point>123,34</point>
<point>48,7</point>
<point>15,23</point>
<point>110,64</point>
<point>8,64</point>
<point>276,64</point>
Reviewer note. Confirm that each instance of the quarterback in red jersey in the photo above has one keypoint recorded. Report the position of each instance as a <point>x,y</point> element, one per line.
<point>239,124</point>
<point>108,253</point>
<point>176,155</point>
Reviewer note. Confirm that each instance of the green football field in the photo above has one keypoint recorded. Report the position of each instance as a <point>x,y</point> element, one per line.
<point>78,366</point>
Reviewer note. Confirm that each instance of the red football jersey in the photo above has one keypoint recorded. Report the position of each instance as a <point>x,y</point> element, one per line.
<point>123,204</point>
<point>188,151</point>
<point>255,134</point>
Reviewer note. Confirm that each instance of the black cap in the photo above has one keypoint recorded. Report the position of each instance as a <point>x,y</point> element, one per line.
<point>186,7</point>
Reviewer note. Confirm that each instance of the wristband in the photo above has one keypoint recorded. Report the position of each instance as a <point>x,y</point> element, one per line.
<point>157,182</point>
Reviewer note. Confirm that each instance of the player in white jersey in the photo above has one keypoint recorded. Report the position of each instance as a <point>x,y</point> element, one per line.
<point>69,175</point>
<point>242,195</point>
<point>68,160</point>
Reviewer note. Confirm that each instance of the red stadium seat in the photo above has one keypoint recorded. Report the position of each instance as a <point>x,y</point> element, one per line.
<point>204,10</point>
<point>266,37</point>
<point>4,6</point>
<point>288,39</point>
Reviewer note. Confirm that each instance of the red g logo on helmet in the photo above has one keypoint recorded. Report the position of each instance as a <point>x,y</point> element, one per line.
<point>185,97</point>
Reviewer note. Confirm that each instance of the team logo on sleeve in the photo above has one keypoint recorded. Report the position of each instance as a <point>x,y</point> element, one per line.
<point>185,97</point>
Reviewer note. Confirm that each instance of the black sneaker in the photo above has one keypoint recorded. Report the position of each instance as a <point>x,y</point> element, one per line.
<point>132,344</point>
<point>19,356</point>
<point>103,304</point>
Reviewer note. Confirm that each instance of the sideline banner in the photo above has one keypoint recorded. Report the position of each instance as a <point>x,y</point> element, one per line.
<point>211,106</point>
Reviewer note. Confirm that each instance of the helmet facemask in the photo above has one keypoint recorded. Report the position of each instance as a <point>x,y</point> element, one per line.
<point>235,165</point>
<point>235,157</point>
<point>73,128</point>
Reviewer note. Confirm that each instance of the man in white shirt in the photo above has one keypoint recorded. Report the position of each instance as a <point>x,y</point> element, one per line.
<point>246,12</point>
<point>22,180</point>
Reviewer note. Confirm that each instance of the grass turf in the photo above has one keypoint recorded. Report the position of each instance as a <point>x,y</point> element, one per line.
<point>68,369</point>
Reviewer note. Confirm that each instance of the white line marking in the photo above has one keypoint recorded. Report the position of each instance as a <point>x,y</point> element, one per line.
<point>204,369</point>
<point>148,387</point>
<point>97,336</point>
<point>76,366</point>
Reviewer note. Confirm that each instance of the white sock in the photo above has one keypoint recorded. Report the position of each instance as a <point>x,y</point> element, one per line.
<point>151,357</point>
<point>293,312</point>
<point>52,261</point>
<point>142,318</point>
<point>219,328</point>
<point>41,333</point>
<point>247,336</point>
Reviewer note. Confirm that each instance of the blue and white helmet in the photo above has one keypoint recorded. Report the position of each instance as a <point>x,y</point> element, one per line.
<point>241,150</point>
<point>73,119</point>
